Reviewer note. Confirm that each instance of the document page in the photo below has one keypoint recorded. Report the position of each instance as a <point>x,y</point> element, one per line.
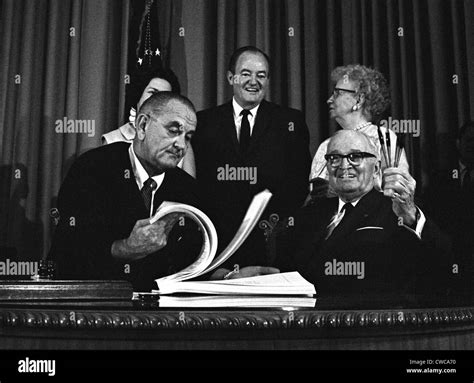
<point>274,284</point>
<point>254,212</point>
<point>207,261</point>
<point>209,246</point>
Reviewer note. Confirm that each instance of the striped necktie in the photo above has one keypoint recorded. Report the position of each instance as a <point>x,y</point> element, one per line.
<point>336,220</point>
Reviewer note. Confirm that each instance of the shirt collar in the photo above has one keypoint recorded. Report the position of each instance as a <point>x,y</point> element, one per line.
<point>139,171</point>
<point>238,109</point>
<point>342,203</point>
<point>128,131</point>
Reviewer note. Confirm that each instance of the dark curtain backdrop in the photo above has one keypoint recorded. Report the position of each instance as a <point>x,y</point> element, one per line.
<point>74,73</point>
<point>424,47</point>
<point>306,39</point>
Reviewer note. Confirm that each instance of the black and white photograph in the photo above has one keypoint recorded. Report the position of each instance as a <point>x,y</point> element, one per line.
<point>257,183</point>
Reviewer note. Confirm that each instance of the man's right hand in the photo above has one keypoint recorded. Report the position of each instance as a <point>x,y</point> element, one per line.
<point>145,238</point>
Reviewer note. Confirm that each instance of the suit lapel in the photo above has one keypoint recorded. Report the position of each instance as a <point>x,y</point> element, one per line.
<point>227,125</point>
<point>128,186</point>
<point>318,218</point>
<point>262,123</point>
<point>324,217</point>
<point>168,191</point>
<point>356,219</point>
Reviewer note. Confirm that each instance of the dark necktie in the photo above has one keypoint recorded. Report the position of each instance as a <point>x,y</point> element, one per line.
<point>244,131</point>
<point>147,191</point>
<point>338,218</point>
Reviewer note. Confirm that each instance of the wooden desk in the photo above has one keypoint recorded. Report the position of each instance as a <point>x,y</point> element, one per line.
<point>349,322</point>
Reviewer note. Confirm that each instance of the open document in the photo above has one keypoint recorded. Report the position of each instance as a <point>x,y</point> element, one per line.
<point>285,284</point>
<point>207,259</point>
<point>273,284</point>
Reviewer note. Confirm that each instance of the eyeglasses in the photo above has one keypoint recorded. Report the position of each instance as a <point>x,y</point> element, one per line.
<point>354,159</point>
<point>337,92</point>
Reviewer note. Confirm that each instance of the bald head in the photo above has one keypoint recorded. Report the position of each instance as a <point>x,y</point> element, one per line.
<point>347,138</point>
<point>352,177</point>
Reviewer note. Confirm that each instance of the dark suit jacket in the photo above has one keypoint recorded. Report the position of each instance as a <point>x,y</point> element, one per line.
<point>395,259</point>
<point>279,150</point>
<point>99,202</point>
<point>452,208</point>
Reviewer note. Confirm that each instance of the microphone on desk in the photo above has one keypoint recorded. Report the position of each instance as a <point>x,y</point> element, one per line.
<point>46,270</point>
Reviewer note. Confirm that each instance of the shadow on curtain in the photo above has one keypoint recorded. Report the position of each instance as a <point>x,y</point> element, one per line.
<point>61,68</point>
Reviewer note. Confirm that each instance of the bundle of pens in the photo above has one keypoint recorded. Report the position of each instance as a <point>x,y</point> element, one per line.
<point>387,150</point>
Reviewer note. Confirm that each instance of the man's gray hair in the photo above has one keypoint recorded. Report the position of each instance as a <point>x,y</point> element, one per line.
<point>156,103</point>
<point>371,143</point>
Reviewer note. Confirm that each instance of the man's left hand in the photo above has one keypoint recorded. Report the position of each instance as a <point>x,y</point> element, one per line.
<point>400,186</point>
<point>253,271</point>
<point>244,272</point>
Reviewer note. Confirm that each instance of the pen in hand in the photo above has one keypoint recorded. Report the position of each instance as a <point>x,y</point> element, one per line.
<point>389,148</point>
<point>382,144</point>
<point>399,149</point>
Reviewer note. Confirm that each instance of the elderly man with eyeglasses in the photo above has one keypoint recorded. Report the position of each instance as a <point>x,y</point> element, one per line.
<point>359,99</point>
<point>365,240</point>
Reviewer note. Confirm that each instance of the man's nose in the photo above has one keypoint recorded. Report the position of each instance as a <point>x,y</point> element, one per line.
<point>345,163</point>
<point>330,100</point>
<point>180,142</point>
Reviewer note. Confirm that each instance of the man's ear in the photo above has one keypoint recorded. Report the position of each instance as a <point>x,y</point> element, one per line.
<point>140,126</point>
<point>230,77</point>
<point>377,168</point>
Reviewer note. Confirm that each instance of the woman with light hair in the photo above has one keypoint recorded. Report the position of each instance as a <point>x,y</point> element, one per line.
<point>359,98</point>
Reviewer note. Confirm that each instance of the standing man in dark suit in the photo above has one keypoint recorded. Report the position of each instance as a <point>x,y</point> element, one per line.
<point>110,193</point>
<point>365,240</point>
<point>449,199</point>
<point>248,145</point>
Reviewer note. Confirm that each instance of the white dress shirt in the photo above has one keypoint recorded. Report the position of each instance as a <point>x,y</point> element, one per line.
<point>141,175</point>
<point>340,213</point>
<point>238,117</point>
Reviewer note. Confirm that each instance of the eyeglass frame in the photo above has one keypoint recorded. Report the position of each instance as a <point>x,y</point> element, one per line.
<point>363,155</point>
<point>336,90</point>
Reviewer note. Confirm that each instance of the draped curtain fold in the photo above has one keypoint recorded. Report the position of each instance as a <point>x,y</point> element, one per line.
<point>425,48</point>
<point>419,45</point>
<point>58,60</point>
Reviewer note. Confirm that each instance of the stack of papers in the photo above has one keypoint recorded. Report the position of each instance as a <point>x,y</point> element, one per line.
<point>211,301</point>
<point>274,290</point>
<point>273,284</point>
